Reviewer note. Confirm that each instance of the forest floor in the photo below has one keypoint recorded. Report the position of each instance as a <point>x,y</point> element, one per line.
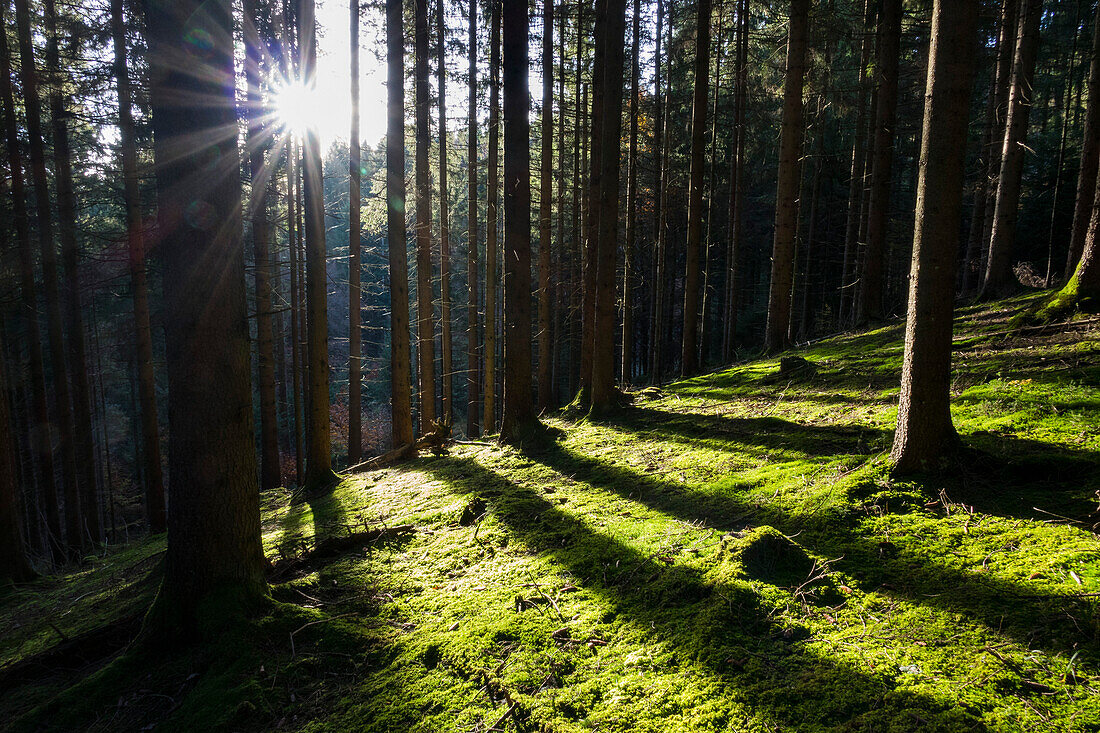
<point>729,553</point>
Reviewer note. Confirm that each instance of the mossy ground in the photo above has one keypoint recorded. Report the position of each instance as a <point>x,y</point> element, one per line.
<point>730,553</point>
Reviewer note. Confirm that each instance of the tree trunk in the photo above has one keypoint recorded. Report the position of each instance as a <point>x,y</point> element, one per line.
<point>629,254</point>
<point>736,204</point>
<point>689,355</point>
<point>1083,289</point>
<point>135,238</point>
<point>786,203</point>
<point>400,368</point>
<point>660,170</point>
<point>74,536</point>
<point>924,430</point>
<point>40,440</point>
<point>545,373</point>
<point>999,278</point>
<point>355,268</point>
<point>444,233</point>
<point>295,309</point>
<point>425,320</point>
<point>473,402</point>
<point>519,414</point>
<point>856,183</point>
<point>603,349</point>
<point>270,471</point>
<point>491,271</point>
<point>1090,156</point>
<point>214,550</point>
<point>1056,184</point>
<point>14,567</point>
<point>319,473</point>
<point>873,278</point>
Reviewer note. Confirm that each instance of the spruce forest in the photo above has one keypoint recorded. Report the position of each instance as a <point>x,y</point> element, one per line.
<point>550,365</point>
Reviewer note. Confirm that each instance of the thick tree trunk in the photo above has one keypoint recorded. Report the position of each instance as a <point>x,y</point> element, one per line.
<point>83,431</point>
<point>519,413</point>
<point>491,270</point>
<point>873,278</point>
<point>40,440</point>
<point>924,430</point>
<point>629,246</point>
<point>135,239</point>
<point>603,349</point>
<point>270,470</point>
<point>214,550</point>
<point>546,293</point>
<point>473,377</point>
<point>400,367</point>
<point>999,278</point>
<point>1083,289</point>
<point>786,201</point>
<point>1090,156</point>
<point>74,536</point>
<point>444,231</point>
<point>355,269</point>
<point>689,355</point>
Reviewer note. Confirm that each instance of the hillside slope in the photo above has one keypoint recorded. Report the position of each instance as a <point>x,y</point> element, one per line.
<point>729,553</point>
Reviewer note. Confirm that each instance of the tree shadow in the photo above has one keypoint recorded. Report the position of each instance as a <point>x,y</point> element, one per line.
<point>765,663</point>
<point>1056,622</point>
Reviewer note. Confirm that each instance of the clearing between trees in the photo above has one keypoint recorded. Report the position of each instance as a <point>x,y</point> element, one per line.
<point>728,553</point>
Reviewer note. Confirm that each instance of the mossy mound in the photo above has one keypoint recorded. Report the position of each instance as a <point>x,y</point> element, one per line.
<point>768,555</point>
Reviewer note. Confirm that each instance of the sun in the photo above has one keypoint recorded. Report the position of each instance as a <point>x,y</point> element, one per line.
<point>298,106</point>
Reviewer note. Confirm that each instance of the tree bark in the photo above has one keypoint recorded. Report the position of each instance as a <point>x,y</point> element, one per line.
<point>74,536</point>
<point>444,231</point>
<point>214,553</point>
<point>924,430</point>
<point>786,206</point>
<point>473,401</point>
<point>14,567</point>
<point>999,278</point>
<point>400,367</point>
<point>856,183</point>
<point>270,470</point>
<point>355,268</point>
<point>425,319</point>
<point>135,239</point>
<point>629,246</point>
<point>689,354</point>
<point>1090,156</point>
<point>660,149</point>
<point>40,440</point>
<point>519,414</point>
<point>873,278</point>
<point>473,361</point>
<point>736,204</point>
<point>491,269</point>
<point>546,294</point>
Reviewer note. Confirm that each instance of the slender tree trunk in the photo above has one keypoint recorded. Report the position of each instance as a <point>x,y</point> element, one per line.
<point>689,354</point>
<point>135,238</point>
<point>214,547</point>
<point>561,318</point>
<point>48,252</point>
<point>355,267</point>
<point>319,473</point>
<point>736,204</point>
<point>295,309</point>
<point>491,272</point>
<point>708,247</point>
<point>425,320</point>
<point>473,402</point>
<point>519,413</point>
<point>999,278</point>
<point>924,430</point>
<point>603,351</point>
<point>545,371</point>
<point>444,232</point>
<point>1090,155</point>
<point>400,368</point>
<point>786,207</point>
<point>629,254</point>
<point>40,439</point>
<point>270,471</point>
<point>1063,107</point>
<point>873,277</point>
<point>660,170</point>
<point>856,183</point>
<point>14,567</point>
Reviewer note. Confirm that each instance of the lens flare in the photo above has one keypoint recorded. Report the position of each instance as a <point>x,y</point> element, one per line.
<point>297,106</point>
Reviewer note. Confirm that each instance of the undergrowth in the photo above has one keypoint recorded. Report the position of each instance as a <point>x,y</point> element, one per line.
<point>727,553</point>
